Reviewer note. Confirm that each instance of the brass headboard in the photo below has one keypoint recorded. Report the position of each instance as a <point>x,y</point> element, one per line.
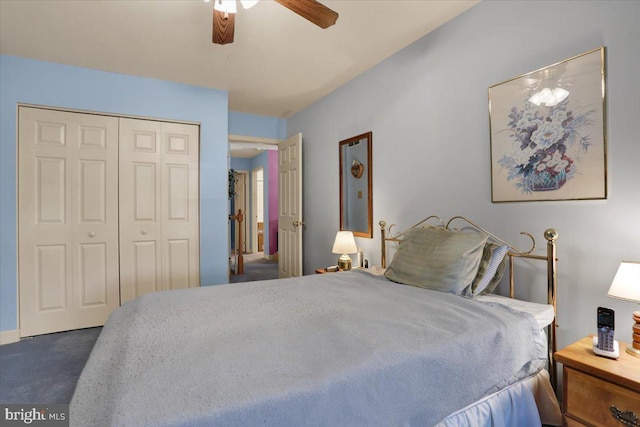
<point>551,235</point>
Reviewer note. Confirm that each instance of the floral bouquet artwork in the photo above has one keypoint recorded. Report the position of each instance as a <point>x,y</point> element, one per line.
<point>548,144</point>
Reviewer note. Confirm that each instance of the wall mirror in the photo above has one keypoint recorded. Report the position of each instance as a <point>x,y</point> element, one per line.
<point>356,206</point>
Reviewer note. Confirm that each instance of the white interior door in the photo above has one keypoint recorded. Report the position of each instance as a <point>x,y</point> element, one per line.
<point>159,219</point>
<point>290,207</point>
<point>68,220</point>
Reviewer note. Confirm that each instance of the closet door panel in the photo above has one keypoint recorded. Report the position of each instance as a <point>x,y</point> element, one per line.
<point>180,206</point>
<point>140,227</point>
<point>67,219</point>
<point>159,221</point>
<point>108,211</point>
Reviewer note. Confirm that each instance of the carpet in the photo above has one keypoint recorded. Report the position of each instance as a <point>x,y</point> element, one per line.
<point>44,369</point>
<point>256,268</point>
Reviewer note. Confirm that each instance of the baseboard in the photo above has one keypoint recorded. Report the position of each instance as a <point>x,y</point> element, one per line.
<point>8,337</point>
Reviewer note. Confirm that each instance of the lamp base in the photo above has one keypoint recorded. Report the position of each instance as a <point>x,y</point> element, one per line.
<point>632,351</point>
<point>634,348</point>
<point>344,262</point>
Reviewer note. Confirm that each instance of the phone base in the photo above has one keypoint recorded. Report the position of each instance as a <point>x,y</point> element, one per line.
<point>604,353</point>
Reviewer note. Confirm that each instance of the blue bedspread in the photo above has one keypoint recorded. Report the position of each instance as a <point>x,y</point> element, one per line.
<point>345,349</point>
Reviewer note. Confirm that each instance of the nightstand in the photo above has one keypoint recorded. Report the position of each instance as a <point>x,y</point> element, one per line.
<point>324,270</point>
<point>594,387</point>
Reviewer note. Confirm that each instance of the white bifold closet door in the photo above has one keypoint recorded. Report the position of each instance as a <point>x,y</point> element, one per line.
<point>68,220</point>
<point>108,210</point>
<point>159,245</point>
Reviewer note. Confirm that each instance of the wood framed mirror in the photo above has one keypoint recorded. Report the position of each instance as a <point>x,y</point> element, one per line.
<point>356,202</point>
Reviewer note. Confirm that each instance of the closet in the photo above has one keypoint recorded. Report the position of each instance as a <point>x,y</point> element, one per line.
<point>107,211</point>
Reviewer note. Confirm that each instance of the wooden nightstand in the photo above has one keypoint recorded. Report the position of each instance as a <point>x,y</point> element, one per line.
<point>593,385</point>
<point>324,270</point>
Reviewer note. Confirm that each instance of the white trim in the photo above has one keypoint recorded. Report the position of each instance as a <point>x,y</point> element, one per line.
<point>101,113</point>
<point>254,139</point>
<point>8,337</point>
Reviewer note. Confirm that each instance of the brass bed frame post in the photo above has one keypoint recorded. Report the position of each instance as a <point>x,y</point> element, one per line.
<point>552,280</point>
<point>383,246</point>
<point>512,291</point>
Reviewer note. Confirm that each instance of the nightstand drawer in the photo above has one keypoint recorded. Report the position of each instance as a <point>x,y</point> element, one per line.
<point>568,422</point>
<point>589,398</point>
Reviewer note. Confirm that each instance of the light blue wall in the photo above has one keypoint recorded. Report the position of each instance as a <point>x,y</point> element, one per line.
<point>257,126</point>
<point>427,107</point>
<point>240,164</point>
<point>42,83</point>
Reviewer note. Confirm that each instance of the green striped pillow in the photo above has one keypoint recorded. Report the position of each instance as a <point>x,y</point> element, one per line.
<point>437,259</point>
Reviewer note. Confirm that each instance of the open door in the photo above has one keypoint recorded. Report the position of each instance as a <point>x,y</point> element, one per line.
<point>290,207</point>
<point>241,203</point>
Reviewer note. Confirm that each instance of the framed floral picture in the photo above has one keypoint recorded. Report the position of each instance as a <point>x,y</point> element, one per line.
<point>548,132</point>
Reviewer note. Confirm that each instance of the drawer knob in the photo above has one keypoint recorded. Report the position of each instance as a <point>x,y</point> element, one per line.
<point>627,418</point>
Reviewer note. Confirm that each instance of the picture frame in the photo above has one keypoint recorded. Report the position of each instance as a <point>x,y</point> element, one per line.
<point>356,196</point>
<point>548,132</point>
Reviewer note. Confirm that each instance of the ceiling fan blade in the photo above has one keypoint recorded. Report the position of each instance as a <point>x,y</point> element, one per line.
<point>223,27</point>
<point>311,10</point>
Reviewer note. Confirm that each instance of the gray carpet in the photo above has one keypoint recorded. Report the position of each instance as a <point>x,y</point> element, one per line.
<point>256,268</point>
<point>44,369</point>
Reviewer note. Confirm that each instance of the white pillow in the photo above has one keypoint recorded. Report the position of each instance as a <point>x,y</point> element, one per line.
<point>498,252</point>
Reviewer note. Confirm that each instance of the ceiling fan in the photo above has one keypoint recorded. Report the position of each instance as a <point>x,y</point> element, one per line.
<point>224,13</point>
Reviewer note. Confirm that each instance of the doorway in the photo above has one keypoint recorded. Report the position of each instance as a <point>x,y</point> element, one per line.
<point>259,158</point>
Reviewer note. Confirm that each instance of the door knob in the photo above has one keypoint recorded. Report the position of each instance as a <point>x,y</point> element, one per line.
<point>92,234</point>
<point>297,223</point>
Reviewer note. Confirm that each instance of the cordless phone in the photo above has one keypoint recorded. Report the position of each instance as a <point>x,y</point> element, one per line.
<point>604,344</point>
<point>606,327</point>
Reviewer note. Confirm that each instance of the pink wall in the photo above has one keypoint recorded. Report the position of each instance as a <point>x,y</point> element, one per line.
<point>273,202</point>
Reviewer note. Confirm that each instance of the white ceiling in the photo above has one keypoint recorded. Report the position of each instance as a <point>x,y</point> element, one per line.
<point>279,63</point>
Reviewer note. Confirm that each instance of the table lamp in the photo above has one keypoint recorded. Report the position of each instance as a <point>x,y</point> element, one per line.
<point>345,244</point>
<point>626,286</point>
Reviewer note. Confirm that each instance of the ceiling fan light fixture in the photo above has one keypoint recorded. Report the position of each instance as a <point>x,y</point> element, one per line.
<point>226,6</point>
<point>248,4</point>
<point>224,16</point>
<point>560,94</point>
<point>549,97</point>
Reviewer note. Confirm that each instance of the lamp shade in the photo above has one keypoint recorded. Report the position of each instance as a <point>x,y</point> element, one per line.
<point>345,243</point>
<point>227,6</point>
<point>626,283</point>
<point>248,4</point>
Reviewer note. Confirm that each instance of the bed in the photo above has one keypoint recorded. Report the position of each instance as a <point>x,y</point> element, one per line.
<point>357,348</point>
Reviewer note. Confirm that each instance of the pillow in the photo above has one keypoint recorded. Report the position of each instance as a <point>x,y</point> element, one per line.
<point>493,284</point>
<point>376,270</point>
<point>437,259</point>
<point>493,256</point>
